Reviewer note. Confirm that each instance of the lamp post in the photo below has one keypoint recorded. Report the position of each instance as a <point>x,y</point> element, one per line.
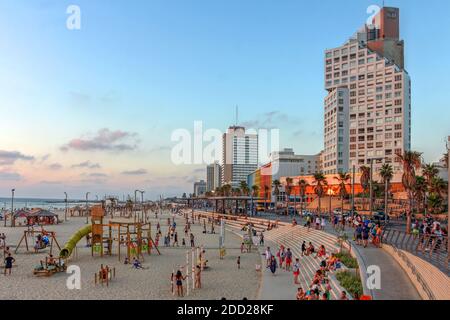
<point>12,206</point>
<point>87,207</point>
<point>135,197</point>
<point>330,193</point>
<point>353,191</point>
<point>371,188</point>
<point>65,210</point>
<point>371,184</point>
<point>448,196</point>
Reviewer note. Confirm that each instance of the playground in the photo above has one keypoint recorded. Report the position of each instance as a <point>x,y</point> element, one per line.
<point>112,241</point>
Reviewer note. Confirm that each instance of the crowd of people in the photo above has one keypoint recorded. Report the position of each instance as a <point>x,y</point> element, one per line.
<point>319,288</point>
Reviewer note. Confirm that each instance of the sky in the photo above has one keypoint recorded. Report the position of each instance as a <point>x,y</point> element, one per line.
<point>94,109</point>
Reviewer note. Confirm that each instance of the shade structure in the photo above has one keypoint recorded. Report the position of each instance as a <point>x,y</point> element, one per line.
<point>42,213</point>
<point>21,214</point>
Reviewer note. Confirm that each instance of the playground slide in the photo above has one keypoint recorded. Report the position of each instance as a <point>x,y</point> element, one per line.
<point>77,236</point>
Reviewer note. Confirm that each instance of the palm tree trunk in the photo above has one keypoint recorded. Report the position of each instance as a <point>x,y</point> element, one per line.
<point>386,198</point>
<point>409,214</point>
<point>319,210</point>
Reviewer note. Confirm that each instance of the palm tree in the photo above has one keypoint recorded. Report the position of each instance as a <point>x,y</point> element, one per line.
<point>226,189</point>
<point>266,195</point>
<point>411,161</point>
<point>302,186</point>
<point>420,190</point>
<point>342,178</point>
<point>438,186</point>
<point>386,173</point>
<point>365,180</point>
<point>255,190</point>
<point>435,203</point>
<point>288,190</point>
<point>276,191</point>
<point>320,182</point>
<point>429,171</point>
<point>244,188</point>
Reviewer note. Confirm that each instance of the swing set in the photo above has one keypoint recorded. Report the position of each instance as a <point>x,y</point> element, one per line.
<point>44,238</point>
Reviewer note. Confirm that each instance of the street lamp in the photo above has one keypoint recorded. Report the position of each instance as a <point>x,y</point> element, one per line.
<point>65,211</point>
<point>87,208</point>
<point>371,184</point>
<point>12,206</point>
<point>448,193</point>
<point>330,194</point>
<point>353,190</point>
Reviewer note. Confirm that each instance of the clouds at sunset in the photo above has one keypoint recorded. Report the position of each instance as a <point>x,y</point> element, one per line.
<point>104,140</point>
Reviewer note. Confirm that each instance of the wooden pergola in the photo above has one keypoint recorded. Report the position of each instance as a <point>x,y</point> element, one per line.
<point>223,200</point>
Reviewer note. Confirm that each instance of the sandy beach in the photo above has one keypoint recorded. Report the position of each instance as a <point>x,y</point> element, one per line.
<point>222,279</point>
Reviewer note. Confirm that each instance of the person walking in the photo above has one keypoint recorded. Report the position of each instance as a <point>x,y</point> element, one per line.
<point>273,265</point>
<point>296,270</point>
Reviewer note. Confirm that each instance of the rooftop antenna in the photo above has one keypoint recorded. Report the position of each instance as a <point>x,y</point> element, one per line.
<point>237,115</point>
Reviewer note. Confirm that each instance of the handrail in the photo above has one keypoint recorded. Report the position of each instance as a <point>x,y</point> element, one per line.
<point>430,247</point>
<point>414,271</point>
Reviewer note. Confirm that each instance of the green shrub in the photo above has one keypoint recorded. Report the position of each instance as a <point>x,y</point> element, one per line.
<point>347,260</point>
<point>350,282</point>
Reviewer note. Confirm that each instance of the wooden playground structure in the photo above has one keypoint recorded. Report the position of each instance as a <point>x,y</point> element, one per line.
<point>135,235</point>
<point>41,235</point>
<point>48,268</point>
<point>104,275</point>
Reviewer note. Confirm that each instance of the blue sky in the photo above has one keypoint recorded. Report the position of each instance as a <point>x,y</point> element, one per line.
<point>142,69</point>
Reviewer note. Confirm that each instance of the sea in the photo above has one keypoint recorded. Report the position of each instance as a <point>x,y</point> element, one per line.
<point>48,204</point>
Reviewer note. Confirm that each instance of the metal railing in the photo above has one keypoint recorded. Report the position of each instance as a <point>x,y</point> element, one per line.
<point>430,247</point>
<point>417,274</point>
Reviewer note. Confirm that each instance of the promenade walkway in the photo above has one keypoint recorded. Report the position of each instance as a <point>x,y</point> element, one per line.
<point>395,284</point>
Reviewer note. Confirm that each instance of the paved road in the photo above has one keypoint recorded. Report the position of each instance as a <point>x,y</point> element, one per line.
<point>395,284</point>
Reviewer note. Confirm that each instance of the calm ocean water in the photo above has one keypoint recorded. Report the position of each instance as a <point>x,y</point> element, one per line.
<point>5,203</point>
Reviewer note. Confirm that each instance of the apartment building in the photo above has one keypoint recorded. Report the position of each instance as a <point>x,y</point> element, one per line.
<point>369,98</point>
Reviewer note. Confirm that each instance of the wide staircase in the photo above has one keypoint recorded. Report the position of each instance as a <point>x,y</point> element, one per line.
<point>292,237</point>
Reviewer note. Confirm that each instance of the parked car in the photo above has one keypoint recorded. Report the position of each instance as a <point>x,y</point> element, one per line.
<point>380,217</point>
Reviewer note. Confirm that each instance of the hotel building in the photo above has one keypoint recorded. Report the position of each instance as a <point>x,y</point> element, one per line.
<point>367,111</point>
<point>199,188</point>
<point>239,155</point>
<point>212,176</point>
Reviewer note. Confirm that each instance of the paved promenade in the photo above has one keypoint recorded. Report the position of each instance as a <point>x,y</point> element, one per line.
<point>395,284</point>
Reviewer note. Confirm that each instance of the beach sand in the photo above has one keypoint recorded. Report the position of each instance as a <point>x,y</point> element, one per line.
<point>222,279</point>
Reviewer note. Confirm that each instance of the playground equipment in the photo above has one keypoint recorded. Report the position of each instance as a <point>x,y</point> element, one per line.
<point>47,268</point>
<point>105,275</point>
<point>44,238</point>
<point>135,235</point>
<point>72,242</point>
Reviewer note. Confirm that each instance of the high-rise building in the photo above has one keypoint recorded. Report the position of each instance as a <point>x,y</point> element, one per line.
<point>239,155</point>
<point>212,176</point>
<point>368,106</point>
<point>199,188</point>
